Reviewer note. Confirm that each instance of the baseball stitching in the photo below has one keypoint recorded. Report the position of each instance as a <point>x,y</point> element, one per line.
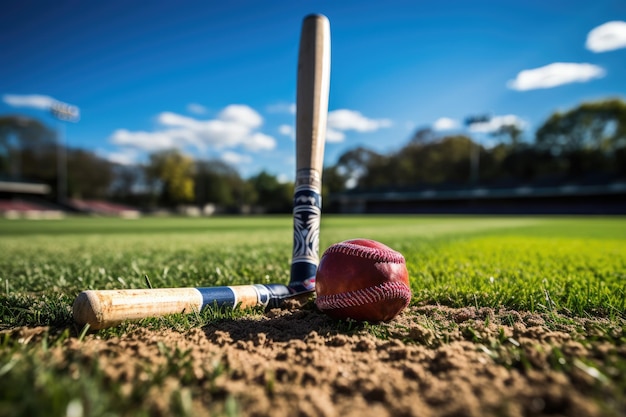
<point>385,291</point>
<point>366,252</point>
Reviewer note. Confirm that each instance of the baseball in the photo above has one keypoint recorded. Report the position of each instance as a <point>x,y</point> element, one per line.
<point>363,280</point>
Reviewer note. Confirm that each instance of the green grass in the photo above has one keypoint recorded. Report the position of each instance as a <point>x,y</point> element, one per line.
<point>567,266</point>
<point>571,275</point>
<point>575,265</point>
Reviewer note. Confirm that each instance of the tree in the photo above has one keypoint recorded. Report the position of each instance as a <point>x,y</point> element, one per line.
<point>27,149</point>
<point>172,172</point>
<point>510,131</point>
<point>126,181</point>
<point>333,181</point>
<point>423,136</point>
<point>434,161</point>
<point>595,125</point>
<point>590,136</point>
<point>218,183</point>
<point>88,175</point>
<point>274,196</point>
<point>355,165</point>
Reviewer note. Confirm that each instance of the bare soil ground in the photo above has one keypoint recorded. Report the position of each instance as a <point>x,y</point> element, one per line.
<point>429,361</point>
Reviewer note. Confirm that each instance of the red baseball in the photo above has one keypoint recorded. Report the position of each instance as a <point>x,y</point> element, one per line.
<point>362,279</point>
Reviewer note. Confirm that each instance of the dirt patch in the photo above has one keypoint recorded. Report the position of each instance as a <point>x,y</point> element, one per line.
<point>430,361</point>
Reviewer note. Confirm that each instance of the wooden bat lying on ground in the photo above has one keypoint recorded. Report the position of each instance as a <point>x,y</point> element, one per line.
<point>106,308</point>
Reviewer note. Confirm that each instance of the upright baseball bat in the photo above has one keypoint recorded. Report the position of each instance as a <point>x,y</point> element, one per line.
<point>311,111</point>
<point>106,308</point>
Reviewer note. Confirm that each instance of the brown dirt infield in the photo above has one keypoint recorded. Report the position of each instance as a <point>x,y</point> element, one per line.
<point>429,361</point>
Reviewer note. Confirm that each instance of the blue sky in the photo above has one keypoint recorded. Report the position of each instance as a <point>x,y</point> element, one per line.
<point>217,79</point>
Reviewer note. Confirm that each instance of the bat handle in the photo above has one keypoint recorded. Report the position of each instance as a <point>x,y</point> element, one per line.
<point>307,209</point>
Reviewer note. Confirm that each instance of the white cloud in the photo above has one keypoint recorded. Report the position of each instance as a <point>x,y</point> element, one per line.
<point>555,74</point>
<point>241,114</point>
<point>260,142</point>
<point>35,101</point>
<point>496,122</point>
<point>334,136</point>
<point>148,141</point>
<point>445,123</point>
<point>122,157</point>
<point>235,126</point>
<point>172,119</point>
<point>607,37</point>
<point>289,108</point>
<point>342,120</point>
<point>196,108</point>
<point>235,158</point>
<point>287,130</point>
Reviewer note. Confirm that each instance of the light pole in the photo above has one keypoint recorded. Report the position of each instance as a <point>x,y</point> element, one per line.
<point>475,150</point>
<point>63,112</point>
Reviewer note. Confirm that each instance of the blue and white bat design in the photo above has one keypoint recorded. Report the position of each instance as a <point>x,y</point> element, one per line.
<point>106,308</point>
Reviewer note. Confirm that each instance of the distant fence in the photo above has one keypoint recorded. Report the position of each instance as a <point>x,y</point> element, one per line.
<point>565,199</point>
<point>23,187</point>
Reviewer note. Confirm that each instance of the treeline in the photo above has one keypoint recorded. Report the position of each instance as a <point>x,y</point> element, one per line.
<point>584,144</point>
<point>587,143</point>
<point>29,151</point>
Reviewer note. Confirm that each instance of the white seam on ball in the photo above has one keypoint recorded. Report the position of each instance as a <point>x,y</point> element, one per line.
<point>384,291</point>
<point>367,252</point>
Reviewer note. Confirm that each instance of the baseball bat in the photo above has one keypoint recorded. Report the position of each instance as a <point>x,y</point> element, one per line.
<point>105,308</point>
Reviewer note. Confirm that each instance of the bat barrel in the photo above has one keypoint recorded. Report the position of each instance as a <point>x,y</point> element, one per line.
<point>312,92</point>
<point>106,308</point>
